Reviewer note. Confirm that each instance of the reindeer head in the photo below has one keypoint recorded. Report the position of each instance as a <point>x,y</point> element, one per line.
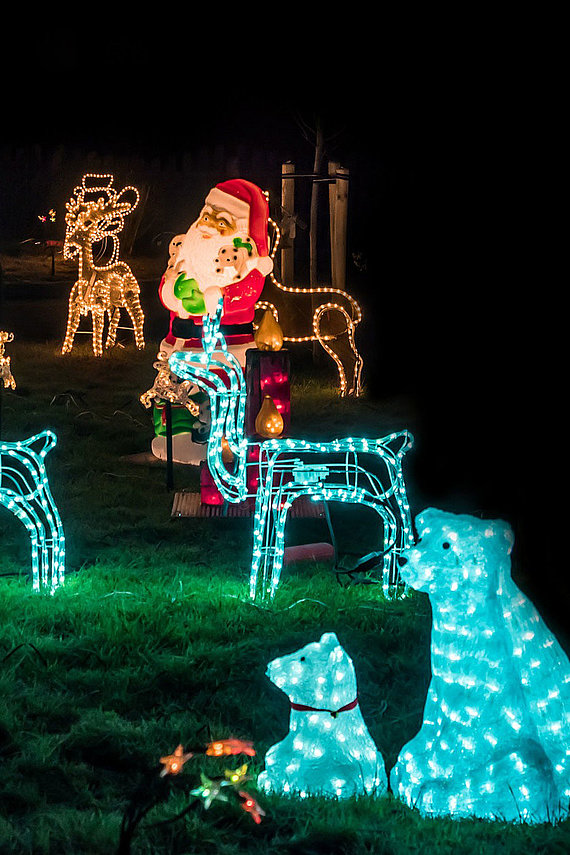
<point>96,211</point>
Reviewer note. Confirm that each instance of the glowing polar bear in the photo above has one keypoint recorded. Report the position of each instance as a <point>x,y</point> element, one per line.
<point>328,750</point>
<point>495,740</point>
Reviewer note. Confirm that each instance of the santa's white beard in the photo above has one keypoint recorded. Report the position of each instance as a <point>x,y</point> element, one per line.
<point>197,258</point>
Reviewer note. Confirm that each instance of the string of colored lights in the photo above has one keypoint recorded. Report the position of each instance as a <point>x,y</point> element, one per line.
<point>283,476</point>
<point>100,289</point>
<point>351,321</point>
<point>25,492</point>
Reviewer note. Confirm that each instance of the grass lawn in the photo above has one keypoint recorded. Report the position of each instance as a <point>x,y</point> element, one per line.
<point>152,641</point>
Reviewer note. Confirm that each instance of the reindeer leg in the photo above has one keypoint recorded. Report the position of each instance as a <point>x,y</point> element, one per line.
<point>279,518</point>
<point>53,562</point>
<point>113,324</point>
<point>98,316</point>
<point>33,524</point>
<point>72,322</point>
<point>134,308</point>
<point>262,519</point>
<point>267,543</point>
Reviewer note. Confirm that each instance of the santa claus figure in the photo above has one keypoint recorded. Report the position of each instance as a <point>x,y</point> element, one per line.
<point>223,255</point>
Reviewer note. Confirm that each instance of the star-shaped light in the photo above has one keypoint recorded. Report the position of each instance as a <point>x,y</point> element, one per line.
<point>237,776</point>
<point>173,763</point>
<point>230,746</point>
<point>209,790</point>
<point>250,806</point>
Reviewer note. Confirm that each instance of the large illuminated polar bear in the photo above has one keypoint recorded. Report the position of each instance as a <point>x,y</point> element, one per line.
<point>328,750</point>
<point>495,740</point>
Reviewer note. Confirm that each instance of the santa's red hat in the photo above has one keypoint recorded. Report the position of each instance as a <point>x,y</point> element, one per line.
<point>248,203</point>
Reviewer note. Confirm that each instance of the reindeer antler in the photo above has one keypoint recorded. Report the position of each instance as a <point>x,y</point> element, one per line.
<point>108,211</point>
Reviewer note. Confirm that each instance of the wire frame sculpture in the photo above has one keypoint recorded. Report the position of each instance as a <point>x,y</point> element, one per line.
<point>6,376</point>
<point>25,492</point>
<point>290,468</point>
<point>349,314</point>
<point>96,212</point>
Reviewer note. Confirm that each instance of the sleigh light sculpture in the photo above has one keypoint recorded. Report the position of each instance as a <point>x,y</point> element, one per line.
<point>96,212</point>
<point>24,490</point>
<point>290,468</point>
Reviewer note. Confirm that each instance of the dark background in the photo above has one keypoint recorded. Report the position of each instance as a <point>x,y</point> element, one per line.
<point>453,137</point>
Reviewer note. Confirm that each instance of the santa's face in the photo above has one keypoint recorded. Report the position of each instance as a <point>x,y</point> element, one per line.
<point>202,255</point>
<point>215,252</point>
<point>212,221</point>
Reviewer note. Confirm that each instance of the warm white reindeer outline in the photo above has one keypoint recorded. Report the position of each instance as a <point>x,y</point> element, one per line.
<point>108,288</point>
<point>284,479</point>
<point>25,492</point>
<point>351,314</point>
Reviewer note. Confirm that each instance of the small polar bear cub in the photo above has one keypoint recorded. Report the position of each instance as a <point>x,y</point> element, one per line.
<point>495,739</point>
<point>328,750</point>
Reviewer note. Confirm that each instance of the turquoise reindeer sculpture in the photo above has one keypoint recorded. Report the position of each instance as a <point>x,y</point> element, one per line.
<point>24,490</point>
<point>290,468</point>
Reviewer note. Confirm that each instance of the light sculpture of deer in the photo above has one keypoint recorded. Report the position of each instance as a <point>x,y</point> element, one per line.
<point>347,314</point>
<point>96,212</point>
<point>25,492</point>
<point>6,376</point>
<point>290,468</point>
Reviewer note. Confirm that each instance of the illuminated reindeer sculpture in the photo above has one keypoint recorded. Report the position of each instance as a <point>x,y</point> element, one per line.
<point>332,472</point>
<point>347,314</point>
<point>96,212</point>
<point>24,490</point>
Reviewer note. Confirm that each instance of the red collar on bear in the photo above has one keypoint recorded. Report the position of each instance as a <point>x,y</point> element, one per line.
<point>333,713</point>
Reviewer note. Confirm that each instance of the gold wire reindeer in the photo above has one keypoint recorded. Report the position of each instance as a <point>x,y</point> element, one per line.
<point>6,375</point>
<point>349,315</point>
<point>95,212</point>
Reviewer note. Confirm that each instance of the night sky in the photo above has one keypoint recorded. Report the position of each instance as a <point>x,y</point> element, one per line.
<point>456,151</point>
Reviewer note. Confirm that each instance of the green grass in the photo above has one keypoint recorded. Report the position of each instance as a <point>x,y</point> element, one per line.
<point>152,640</point>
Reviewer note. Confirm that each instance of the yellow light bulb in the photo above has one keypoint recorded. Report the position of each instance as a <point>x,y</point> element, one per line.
<point>268,335</point>
<point>269,422</point>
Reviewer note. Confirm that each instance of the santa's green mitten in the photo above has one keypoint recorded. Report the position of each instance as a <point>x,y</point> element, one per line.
<point>188,292</point>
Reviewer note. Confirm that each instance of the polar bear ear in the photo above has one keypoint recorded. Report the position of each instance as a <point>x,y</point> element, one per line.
<point>329,639</point>
<point>501,535</point>
<point>425,519</point>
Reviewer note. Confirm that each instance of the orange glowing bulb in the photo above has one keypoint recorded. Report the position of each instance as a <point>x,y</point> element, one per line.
<point>227,453</point>
<point>173,763</point>
<point>269,422</point>
<point>268,335</point>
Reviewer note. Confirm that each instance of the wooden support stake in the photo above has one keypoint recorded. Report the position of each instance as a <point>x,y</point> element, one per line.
<point>169,466</point>
<point>288,206</point>
<point>333,166</point>
<point>339,222</point>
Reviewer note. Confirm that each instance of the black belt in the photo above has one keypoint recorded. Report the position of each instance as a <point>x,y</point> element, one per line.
<point>187,328</point>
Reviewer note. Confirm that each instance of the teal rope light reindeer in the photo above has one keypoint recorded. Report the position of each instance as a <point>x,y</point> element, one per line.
<point>24,490</point>
<point>290,468</point>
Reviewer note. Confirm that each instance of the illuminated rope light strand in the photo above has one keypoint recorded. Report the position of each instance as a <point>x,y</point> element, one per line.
<point>25,492</point>
<point>351,323</point>
<point>100,289</point>
<point>283,476</point>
